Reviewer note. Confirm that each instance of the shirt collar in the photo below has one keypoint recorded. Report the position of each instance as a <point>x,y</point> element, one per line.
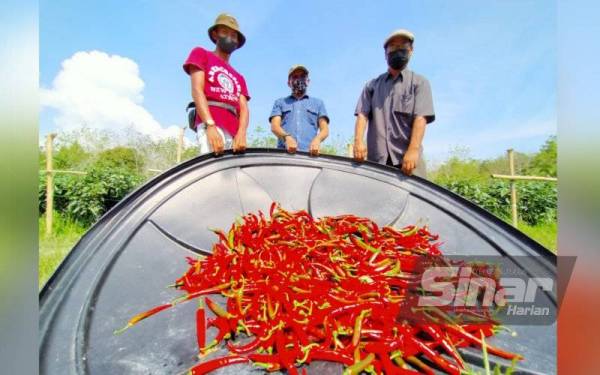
<point>294,98</point>
<point>402,74</point>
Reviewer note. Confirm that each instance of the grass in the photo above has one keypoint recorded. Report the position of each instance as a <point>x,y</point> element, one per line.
<point>54,248</point>
<point>545,234</point>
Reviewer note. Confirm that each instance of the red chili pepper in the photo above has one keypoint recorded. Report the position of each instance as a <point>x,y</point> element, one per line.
<point>200,326</point>
<point>138,318</point>
<point>330,355</point>
<point>436,334</point>
<point>437,359</point>
<point>246,348</point>
<point>216,363</point>
<point>475,340</point>
<point>218,310</point>
<point>301,289</point>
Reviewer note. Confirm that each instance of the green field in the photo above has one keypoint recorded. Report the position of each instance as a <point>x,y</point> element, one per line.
<point>545,234</point>
<point>54,248</point>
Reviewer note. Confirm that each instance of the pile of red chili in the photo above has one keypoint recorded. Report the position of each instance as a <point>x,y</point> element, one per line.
<point>337,289</point>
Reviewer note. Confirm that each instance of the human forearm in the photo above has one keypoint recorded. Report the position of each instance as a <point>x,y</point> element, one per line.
<point>418,133</point>
<point>244,115</point>
<point>323,130</point>
<point>360,149</point>
<point>276,128</point>
<point>202,110</point>
<point>360,127</point>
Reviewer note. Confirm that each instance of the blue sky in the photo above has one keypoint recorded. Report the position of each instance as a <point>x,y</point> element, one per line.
<point>492,68</point>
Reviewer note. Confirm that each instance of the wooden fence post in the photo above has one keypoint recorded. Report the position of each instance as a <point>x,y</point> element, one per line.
<point>49,184</point>
<point>180,144</point>
<point>513,178</point>
<point>513,188</point>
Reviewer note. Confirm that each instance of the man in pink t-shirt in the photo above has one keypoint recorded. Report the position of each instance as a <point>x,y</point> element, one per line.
<point>219,91</point>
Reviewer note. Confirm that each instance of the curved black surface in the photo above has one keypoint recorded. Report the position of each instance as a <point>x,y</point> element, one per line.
<point>123,263</point>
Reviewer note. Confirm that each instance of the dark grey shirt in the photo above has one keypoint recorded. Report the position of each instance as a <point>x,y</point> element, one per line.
<point>391,106</point>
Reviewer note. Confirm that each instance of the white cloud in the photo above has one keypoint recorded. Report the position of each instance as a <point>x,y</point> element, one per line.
<point>102,91</point>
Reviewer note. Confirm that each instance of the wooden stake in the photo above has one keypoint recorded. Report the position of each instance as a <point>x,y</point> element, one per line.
<point>527,178</point>
<point>49,184</point>
<point>513,188</point>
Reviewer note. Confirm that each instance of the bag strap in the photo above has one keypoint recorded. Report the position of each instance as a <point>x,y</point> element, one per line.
<point>213,103</point>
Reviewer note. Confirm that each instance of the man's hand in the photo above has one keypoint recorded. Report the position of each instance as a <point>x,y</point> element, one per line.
<point>315,146</point>
<point>410,160</point>
<point>214,140</point>
<point>239,141</point>
<point>290,144</point>
<point>360,150</point>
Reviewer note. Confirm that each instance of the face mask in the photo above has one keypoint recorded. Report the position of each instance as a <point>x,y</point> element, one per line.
<point>398,59</point>
<point>226,44</point>
<point>299,86</point>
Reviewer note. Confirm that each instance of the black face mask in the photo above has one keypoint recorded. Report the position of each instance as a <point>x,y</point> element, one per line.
<point>299,86</point>
<point>226,44</point>
<point>398,59</point>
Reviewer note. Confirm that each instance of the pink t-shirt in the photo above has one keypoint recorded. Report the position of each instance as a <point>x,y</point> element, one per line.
<point>221,84</point>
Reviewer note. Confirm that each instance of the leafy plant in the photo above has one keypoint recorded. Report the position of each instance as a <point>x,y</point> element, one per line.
<point>86,198</point>
<point>544,162</point>
<point>537,202</point>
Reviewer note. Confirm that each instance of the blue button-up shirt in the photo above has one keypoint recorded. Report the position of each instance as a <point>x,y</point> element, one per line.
<point>299,118</point>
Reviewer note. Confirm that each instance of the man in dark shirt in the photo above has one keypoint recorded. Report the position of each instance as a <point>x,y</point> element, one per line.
<point>396,106</point>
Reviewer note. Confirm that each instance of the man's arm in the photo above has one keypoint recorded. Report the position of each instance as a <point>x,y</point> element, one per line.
<point>290,142</point>
<point>360,126</point>
<point>362,111</point>
<point>411,157</point>
<point>315,144</point>
<point>239,141</point>
<point>214,139</point>
<point>424,114</point>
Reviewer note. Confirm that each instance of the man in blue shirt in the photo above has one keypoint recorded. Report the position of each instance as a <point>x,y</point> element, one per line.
<point>299,121</point>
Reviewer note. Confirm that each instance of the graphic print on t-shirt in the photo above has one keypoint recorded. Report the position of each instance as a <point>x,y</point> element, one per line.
<point>228,87</point>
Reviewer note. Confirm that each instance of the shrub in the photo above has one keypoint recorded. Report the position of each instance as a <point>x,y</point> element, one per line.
<point>86,198</point>
<point>120,157</point>
<point>537,201</point>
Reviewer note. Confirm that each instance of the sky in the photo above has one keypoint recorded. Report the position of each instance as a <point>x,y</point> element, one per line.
<point>492,68</point>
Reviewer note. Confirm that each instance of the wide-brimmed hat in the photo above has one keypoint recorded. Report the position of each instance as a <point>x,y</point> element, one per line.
<point>400,32</point>
<point>228,20</point>
<point>297,67</point>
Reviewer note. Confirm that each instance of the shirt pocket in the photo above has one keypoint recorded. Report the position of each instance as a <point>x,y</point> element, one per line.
<point>285,109</point>
<point>312,115</point>
<point>403,107</point>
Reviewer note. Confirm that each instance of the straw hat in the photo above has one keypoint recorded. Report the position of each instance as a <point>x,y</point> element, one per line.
<point>401,32</point>
<point>228,20</point>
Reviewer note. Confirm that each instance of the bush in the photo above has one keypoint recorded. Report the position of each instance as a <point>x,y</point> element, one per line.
<point>537,201</point>
<point>544,162</point>
<point>86,198</point>
<point>62,182</point>
<point>120,157</point>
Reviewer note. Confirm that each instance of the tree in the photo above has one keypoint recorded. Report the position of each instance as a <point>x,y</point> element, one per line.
<point>544,161</point>
<point>119,157</point>
<point>71,156</point>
